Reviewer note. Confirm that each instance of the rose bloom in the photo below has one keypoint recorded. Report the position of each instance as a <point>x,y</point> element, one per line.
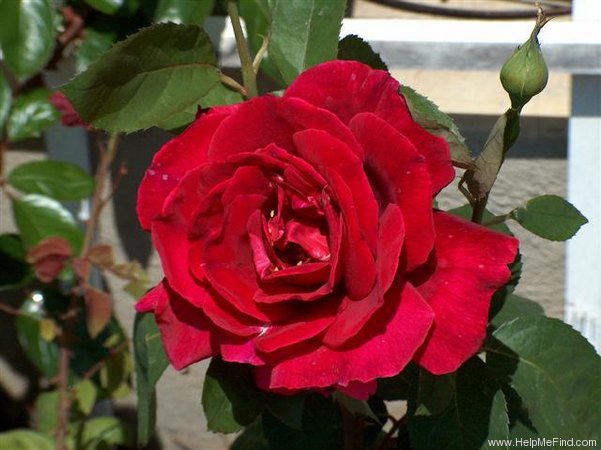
<point>297,234</point>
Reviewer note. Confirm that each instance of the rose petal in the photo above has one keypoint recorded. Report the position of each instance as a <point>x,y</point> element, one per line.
<point>348,88</point>
<point>254,125</point>
<point>471,264</point>
<point>185,331</point>
<point>354,314</point>
<point>303,115</point>
<point>174,160</point>
<point>399,174</point>
<point>330,155</point>
<point>383,349</point>
<point>358,390</point>
<point>305,324</point>
<point>227,262</point>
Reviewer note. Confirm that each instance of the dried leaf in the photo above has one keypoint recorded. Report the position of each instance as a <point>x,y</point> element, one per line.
<point>101,256</point>
<point>48,257</point>
<point>99,309</point>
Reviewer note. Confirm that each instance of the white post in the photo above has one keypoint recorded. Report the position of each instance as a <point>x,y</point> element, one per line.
<point>583,264</point>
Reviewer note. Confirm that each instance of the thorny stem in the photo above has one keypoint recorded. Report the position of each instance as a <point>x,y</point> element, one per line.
<point>248,73</point>
<point>479,208</point>
<point>64,401</point>
<point>352,426</point>
<point>98,203</point>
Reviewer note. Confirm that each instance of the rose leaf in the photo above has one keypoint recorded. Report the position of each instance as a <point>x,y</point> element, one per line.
<point>352,47</point>
<point>27,35</point>
<point>151,361</point>
<point>183,11</point>
<point>426,113</point>
<point>304,34</point>
<point>26,439</point>
<point>38,217</point>
<point>550,217</point>
<point>55,179</point>
<point>30,115</point>
<point>230,398</point>
<point>158,76</point>
<point>516,306</point>
<point>475,413</point>
<point>554,370</point>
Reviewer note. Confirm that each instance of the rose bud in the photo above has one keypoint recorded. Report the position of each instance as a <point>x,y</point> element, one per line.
<point>525,73</point>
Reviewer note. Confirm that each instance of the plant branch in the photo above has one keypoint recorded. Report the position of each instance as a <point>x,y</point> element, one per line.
<point>353,430</point>
<point>100,363</point>
<point>98,203</point>
<point>64,401</point>
<point>248,72</point>
<point>10,310</point>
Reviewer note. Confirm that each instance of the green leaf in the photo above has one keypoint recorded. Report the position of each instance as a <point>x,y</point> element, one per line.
<point>555,371</point>
<point>183,11</point>
<point>55,179</point>
<point>517,306</point>
<point>5,101</point>
<point>287,408</point>
<point>426,113</point>
<point>30,115</point>
<point>352,47</point>
<point>45,415</point>
<point>321,427</point>
<point>38,217</point>
<point>25,439</point>
<point>151,361</point>
<point>95,43</point>
<point>104,433</point>
<point>353,405</point>
<point>230,398</point>
<point>111,7</point>
<point>85,396</point>
<point>43,354</point>
<point>27,35</point>
<point>251,438</point>
<point>476,413</point>
<point>435,393</point>
<point>257,18</point>
<point>13,268</point>
<point>550,217</point>
<point>115,375</point>
<point>149,79</point>
<point>304,33</point>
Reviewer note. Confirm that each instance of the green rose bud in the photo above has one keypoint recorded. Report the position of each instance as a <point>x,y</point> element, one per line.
<point>525,73</point>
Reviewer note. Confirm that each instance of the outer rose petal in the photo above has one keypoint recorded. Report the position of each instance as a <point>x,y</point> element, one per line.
<point>185,330</point>
<point>399,174</point>
<point>405,319</point>
<point>348,88</point>
<point>174,160</point>
<point>471,264</point>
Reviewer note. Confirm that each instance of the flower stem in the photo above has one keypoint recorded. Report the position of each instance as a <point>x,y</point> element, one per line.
<point>98,202</point>
<point>352,426</point>
<point>248,73</point>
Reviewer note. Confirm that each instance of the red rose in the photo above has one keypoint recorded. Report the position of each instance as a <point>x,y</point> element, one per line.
<point>297,234</point>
